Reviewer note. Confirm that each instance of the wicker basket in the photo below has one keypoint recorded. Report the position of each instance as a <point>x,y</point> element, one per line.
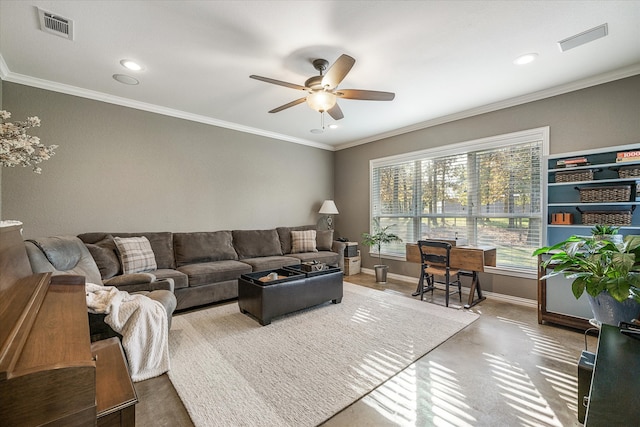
<point>618,193</point>
<point>606,217</point>
<point>573,176</point>
<point>629,171</point>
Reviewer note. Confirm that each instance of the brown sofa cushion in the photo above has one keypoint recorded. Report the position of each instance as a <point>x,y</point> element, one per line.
<point>324,240</point>
<point>284,235</point>
<point>104,254</point>
<point>161,244</point>
<point>206,273</point>
<point>199,247</point>
<point>256,243</point>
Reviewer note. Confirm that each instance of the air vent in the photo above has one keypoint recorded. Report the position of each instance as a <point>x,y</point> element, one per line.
<point>584,37</point>
<point>55,24</point>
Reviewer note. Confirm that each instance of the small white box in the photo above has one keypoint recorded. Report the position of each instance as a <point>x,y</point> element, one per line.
<point>351,266</point>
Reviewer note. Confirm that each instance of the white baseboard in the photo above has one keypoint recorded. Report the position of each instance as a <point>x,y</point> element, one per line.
<point>493,295</point>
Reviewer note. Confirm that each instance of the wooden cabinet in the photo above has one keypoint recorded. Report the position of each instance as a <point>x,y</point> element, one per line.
<point>598,190</point>
<point>115,395</point>
<point>50,373</point>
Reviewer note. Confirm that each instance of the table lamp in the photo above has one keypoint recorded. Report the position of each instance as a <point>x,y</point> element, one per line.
<point>329,208</point>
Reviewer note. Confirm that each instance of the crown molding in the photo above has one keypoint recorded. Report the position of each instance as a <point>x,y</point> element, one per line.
<point>7,75</point>
<point>621,73</point>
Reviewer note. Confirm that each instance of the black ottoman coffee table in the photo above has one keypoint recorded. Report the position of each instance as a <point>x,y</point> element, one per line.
<point>294,290</point>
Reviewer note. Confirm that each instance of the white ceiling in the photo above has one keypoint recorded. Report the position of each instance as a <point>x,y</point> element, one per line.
<point>443,59</point>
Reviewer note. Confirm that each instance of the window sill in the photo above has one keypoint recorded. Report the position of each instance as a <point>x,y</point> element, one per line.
<point>503,271</point>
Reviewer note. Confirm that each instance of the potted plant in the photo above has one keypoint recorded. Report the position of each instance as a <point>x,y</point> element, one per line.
<point>607,232</point>
<point>608,271</point>
<point>380,235</point>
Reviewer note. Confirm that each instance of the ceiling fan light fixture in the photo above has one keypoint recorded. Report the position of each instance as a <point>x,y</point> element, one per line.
<point>321,100</point>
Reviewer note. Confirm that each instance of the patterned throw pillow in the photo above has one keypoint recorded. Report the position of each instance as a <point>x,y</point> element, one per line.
<point>303,241</point>
<point>136,255</point>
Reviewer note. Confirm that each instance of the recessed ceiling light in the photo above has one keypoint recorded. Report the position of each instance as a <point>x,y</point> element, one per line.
<point>131,65</point>
<point>124,79</point>
<point>316,131</point>
<point>525,59</point>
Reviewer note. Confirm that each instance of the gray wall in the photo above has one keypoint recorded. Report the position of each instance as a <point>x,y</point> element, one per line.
<point>121,169</point>
<point>600,116</point>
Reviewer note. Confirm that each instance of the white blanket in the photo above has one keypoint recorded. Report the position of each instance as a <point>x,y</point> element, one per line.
<point>141,321</point>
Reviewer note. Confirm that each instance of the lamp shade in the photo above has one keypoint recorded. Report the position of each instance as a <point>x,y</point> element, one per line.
<point>328,208</point>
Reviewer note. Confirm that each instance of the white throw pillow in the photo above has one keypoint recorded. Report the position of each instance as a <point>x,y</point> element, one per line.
<point>303,241</point>
<point>136,255</point>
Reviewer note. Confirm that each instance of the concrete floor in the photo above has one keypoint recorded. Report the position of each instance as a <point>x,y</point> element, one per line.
<point>503,370</point>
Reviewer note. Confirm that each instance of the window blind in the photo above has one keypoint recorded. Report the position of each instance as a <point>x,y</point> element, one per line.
<point>487,192</point>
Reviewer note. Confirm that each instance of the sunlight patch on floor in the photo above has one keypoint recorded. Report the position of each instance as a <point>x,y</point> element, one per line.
<point>437,400</point>
<point>521,393</point>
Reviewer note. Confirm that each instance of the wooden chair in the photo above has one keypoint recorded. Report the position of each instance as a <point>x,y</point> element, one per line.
<point>435,268</point>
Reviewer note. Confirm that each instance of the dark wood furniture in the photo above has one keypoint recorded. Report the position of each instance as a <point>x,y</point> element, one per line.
<point>556,317</point>
<point>436,268</point>
<point>615,385</point>
<point>115,395</point>
<point>47,369</point>
<point>471,259</point>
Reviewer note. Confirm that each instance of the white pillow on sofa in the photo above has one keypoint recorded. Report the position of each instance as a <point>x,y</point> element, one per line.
<point>303,241</point>
<point>136,255</point>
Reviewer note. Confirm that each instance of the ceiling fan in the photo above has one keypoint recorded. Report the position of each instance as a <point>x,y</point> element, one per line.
<point>323,89</point>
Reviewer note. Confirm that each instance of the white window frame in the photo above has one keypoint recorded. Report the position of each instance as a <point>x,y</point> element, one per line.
<point>493,142</point>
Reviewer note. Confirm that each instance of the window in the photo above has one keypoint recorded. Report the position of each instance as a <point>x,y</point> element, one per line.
<point>484,192</point>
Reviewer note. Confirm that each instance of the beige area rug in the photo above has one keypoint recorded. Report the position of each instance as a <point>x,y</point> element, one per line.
<point>304,367</point>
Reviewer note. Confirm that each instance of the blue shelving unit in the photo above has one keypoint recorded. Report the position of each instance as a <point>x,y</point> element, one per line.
<point>556,302</point>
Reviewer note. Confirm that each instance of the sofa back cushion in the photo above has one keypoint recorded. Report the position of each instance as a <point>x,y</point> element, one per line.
<point>191,248</point>
<point>62,255</point>
<point>256,243</point>
<point>105,254</point>
<point>284,235</point>
<point>324,240</point>
<point>161,244</point>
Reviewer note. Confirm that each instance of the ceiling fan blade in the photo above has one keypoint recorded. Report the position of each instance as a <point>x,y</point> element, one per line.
<point>338,71</point>
<point>367,95</point>
<point>290,104</point>
<point>278,82</point>
<point>335,112</point>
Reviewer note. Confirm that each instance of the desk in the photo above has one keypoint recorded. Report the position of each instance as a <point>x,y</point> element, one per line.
<point>472,259</point>
<point>613,399</point>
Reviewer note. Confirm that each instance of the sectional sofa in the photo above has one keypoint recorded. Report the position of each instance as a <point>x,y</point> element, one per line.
<point>204,267</point>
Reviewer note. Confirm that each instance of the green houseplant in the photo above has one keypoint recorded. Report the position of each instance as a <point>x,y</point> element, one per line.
<point>608,271</point>
<point>380,235</point>
<point>607,232</point>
